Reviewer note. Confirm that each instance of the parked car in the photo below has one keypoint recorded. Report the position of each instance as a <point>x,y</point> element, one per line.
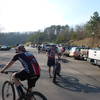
<point>84,53</point>
<point>66,52</point>
<point>72,51</point>
<point>81,53</point>
<point>94,56</point>
<point>77,53</point>
<point>46,47</point>
<point>4,47</point>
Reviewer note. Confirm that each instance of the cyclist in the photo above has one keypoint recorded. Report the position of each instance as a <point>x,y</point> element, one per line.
<point>30,72</point>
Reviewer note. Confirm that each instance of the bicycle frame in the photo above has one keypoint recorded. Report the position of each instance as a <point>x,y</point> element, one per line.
<point>28,94</point>
<point>11,80</point>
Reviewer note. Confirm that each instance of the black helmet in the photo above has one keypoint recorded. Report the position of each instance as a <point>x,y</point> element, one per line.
<point>20,48</point>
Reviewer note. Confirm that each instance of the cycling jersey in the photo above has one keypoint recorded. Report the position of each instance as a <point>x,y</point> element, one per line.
<point>51,53</point>
<point>29,62</point>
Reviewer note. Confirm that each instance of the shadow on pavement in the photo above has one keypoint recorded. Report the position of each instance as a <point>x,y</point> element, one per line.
<point>64,60</point>
<point>71,83</point>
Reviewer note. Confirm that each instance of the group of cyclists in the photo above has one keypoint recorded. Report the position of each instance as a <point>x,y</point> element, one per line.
<point>31,67</point>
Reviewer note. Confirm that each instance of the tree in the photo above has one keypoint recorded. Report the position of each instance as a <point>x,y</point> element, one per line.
<point>94,23</point>
<point>74,36</point>
<point>38,37</point>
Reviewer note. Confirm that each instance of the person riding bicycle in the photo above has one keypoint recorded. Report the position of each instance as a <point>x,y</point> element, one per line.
<point>31,71</point>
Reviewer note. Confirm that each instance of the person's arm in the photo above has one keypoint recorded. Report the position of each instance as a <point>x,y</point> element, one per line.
<point>47,53</point>
<point>7,66</point>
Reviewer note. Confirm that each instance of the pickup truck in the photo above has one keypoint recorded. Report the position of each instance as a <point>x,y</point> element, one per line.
<point>94,56</point>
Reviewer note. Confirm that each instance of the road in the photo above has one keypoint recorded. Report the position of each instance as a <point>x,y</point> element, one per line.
<point>80,80</point>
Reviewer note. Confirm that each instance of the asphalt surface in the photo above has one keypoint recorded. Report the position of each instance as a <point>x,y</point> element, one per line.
<point>80,80</point>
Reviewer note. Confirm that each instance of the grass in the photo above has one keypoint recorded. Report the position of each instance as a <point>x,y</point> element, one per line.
<point>89,42</point>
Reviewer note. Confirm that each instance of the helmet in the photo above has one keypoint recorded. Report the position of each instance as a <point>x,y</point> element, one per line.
<point>20,48</point>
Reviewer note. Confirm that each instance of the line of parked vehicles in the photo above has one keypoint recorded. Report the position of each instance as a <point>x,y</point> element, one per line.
<point>77,52</point>
<point>80,53</point>
<point>84,53</point>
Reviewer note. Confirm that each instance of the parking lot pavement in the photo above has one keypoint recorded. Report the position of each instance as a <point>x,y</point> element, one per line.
<point>80,80</point>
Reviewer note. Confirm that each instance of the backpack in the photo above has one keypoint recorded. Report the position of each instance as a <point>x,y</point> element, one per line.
<point>52,53</point>
<point>33,62</point>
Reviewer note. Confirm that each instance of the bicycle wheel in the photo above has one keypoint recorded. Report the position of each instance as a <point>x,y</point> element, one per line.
<point>37,96</point>
<point>8,92</point>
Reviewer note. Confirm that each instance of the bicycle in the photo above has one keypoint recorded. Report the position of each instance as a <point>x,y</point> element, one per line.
<point>57,70</point>
<point>8,91</point>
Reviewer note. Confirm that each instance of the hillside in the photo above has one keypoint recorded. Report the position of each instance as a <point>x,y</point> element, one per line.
<point>90,42</point>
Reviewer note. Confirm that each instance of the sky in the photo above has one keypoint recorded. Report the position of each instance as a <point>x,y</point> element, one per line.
<point>34,15</point>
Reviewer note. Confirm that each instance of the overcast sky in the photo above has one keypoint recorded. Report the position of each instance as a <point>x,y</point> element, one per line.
<point>33,15</point>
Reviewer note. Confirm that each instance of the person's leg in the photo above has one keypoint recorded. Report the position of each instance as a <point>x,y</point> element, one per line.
<point>49,70</point>
<point>16,78</point>
<point>31,81</point>
<point>49,67</point>
<point>18,86</point>
<point>31,84</point>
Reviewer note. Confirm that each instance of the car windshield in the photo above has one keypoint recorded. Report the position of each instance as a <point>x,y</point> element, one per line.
<point>73,48</point>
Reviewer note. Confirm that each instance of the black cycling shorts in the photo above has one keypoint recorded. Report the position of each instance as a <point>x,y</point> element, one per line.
<point>23,75</point>
<point>51,62</point>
